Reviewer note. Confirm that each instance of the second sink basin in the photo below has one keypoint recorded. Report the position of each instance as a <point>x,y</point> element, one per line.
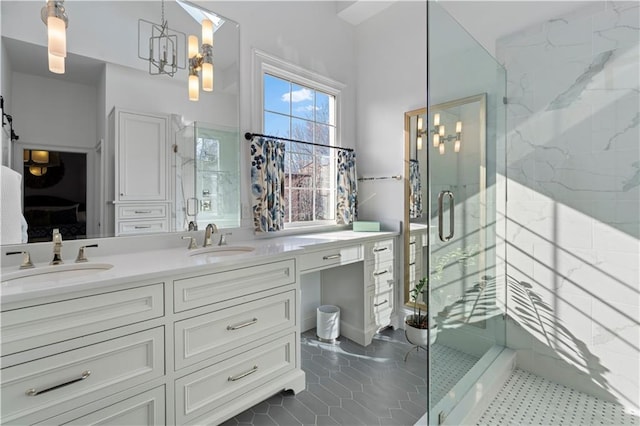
<point>222,250</point>
<point>54,272</point>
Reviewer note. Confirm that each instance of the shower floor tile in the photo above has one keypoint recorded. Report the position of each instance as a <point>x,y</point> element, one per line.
<point>527,399</point>
<point>449,365</point>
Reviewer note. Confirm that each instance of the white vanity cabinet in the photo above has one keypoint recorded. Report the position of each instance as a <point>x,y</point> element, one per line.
<point>236,339</point>
<point>359,279</point>
<point>141,145</point>
<point>197,348</point>
<point>82,350</point>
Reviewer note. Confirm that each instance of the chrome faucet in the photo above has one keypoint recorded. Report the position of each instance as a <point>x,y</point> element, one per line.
<point>57,247</point>
<point>208,231</point>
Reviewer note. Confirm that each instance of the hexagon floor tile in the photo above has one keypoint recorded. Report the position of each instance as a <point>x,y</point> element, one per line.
<point>348,384</point>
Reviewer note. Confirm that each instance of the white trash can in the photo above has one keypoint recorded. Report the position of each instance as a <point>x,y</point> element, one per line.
<point>328,323</point>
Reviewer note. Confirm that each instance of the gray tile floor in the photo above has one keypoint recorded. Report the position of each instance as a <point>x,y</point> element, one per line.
<point>348,384</point>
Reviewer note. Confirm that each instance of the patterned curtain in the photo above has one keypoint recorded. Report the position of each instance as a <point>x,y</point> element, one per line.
<point>415,198</point>
<point>267,184</point>
<point>346,210</point>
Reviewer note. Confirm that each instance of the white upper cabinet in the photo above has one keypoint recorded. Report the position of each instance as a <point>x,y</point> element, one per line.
<point>141,151</point>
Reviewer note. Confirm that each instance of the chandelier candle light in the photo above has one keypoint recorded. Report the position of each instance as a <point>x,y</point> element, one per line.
<point>54,17</point>
<point>201,61</point>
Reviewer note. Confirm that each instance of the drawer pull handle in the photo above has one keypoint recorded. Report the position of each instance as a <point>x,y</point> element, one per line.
<point>242,375</point>
<point>381,303</point>
<point>378,250</point>
<point>244,324</point>
<point>142,211</point>
<point>377,274</point>
<point>332,256</point>
<point>34,392</point>
<point>412,264</point>
<point>412,243</point>
<point>142,226</point>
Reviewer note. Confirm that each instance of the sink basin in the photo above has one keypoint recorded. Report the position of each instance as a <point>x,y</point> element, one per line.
<point>54,272</point>
<point>222,251</point>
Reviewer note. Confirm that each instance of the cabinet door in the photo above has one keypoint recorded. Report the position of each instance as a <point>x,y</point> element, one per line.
<point>141,152</point>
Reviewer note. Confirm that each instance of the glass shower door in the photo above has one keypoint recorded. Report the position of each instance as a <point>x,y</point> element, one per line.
<point>466,195</point>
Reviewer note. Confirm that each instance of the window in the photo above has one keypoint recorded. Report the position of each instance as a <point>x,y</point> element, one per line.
<point>296,107</point>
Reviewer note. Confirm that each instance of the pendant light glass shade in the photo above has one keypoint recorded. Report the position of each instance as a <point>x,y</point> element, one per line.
<point>194,90</point>
<point>207,32</point>
<point>193,46</point>
<point>40,156</point>
<point>207,77</point>
<point>57,36</point>
<point>37,170</point>
<point>56,64</point>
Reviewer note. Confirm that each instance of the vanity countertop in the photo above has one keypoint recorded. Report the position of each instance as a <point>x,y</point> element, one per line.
<point>159,263</point>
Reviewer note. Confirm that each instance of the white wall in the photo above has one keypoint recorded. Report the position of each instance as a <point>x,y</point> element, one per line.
<point>54,112</point>
<point>573,225</point>
<point>391,74</point>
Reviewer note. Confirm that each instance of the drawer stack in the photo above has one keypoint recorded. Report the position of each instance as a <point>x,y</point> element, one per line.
<point>63,355</point>
<point>235,339</point>
<point>380,280</point>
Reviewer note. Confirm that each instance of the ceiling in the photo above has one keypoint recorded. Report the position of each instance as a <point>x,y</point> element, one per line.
<point>497,18</point>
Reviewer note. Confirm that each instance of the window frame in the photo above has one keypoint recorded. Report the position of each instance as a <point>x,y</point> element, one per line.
<point>264,63</point>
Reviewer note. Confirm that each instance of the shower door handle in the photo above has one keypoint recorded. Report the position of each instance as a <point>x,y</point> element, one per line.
<point>441,197</point>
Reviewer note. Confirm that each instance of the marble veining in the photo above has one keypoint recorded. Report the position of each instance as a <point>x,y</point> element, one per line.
<point>572,93</point>
<point>573,218</point>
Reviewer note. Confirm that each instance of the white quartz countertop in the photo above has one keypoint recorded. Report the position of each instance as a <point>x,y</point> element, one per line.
<point>157,264</point>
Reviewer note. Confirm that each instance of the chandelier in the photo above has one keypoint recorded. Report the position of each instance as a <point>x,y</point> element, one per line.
<point>165,49</point>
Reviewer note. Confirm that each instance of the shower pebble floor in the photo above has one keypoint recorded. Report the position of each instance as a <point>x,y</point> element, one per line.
<point>527,399</point>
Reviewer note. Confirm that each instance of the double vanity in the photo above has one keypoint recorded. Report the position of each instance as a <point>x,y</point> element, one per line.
<point>168,335</point>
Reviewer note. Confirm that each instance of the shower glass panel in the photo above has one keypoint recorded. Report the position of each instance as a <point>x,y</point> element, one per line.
<point>466,193</point>
<point>207,176</point>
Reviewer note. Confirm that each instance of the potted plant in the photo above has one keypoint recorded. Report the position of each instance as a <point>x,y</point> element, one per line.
<point>417,324</point>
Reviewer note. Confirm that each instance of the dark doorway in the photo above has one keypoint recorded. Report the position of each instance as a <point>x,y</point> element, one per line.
<point>55,194</point>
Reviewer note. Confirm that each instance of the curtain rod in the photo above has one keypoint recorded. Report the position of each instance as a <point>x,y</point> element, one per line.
<point>248,136</point>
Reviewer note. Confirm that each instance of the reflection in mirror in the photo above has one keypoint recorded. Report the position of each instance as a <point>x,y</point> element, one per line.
<point>208,179</point>
<point>452,136</point>
<point>104,70</point>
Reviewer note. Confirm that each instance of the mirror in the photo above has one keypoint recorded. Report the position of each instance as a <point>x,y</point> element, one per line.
<point>452,136</point>
<point>68,113</point>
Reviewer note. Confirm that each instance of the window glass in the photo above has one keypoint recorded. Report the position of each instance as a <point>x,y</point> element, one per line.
<point>304,113</point>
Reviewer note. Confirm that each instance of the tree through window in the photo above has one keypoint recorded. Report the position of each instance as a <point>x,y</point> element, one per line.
<point>302,112</point>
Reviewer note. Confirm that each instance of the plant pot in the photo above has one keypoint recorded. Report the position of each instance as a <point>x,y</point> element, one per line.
<point>419,336</point>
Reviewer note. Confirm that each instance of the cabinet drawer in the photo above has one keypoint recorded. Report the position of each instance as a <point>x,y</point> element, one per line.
<point>217,385</point>
<point>134,227</point>
<point>41,325</point>
<point>208,335</point>
<point>142,211</point>
<point>207,289</point>
<point>383,307</point>
<point>330,257</point>
<point>382,277</point>
<point>82,375</point>
<point>380,251</point>
<point>147,408</point>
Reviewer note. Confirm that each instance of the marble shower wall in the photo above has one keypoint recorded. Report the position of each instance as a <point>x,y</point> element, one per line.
<point>573,227</point>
